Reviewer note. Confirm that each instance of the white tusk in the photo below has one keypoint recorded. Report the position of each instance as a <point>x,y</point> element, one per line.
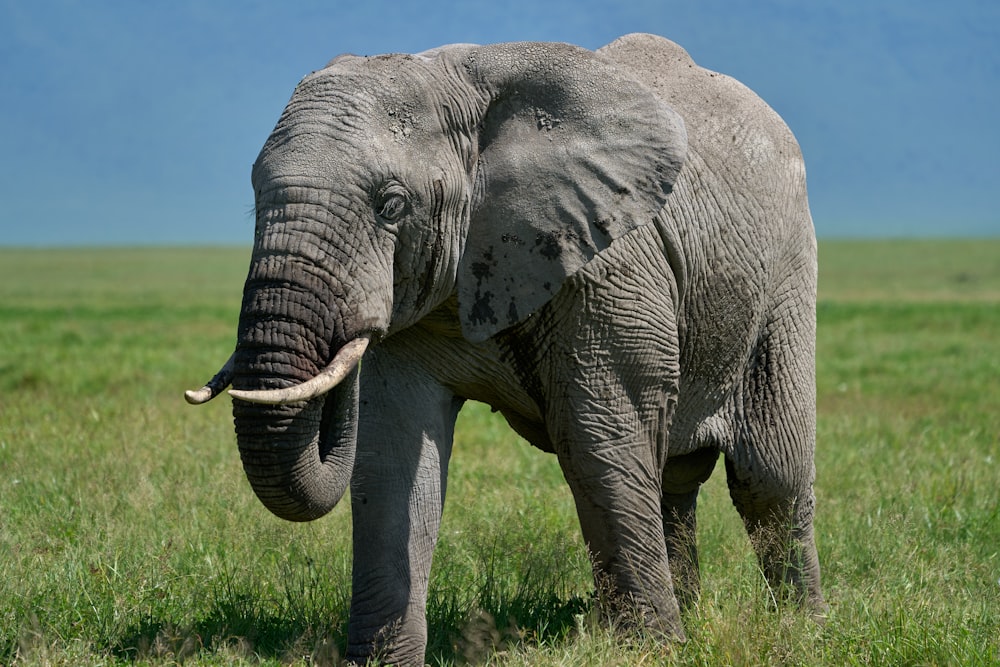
<point>343,363</point>
<point>214,386</point>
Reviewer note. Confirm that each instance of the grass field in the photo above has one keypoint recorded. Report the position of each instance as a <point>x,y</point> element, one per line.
<point>128,534</point>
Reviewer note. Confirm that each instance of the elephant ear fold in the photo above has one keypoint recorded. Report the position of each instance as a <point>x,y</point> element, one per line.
<point>573,154</point>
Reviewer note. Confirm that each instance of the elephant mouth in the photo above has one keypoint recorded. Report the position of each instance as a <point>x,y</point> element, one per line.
<point>342,364</point>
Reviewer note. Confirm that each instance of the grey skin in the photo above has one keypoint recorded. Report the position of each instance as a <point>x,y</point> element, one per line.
<point>613,249</point>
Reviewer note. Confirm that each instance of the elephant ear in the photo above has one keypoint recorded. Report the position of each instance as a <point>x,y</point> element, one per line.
<point>573,154</point>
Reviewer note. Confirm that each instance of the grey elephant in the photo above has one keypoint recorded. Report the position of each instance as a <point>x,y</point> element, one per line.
<point>613,249</point>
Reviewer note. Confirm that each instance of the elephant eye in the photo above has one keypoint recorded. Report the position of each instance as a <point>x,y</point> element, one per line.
<point>392,203</point>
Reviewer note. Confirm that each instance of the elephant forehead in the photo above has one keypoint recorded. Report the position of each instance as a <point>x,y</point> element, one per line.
<point>370,111</point>
<point>380,79</point>
<point>324,131</point>
<point>307,154</point>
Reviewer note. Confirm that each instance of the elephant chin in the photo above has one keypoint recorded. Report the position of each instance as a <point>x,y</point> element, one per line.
<point>299,457</point>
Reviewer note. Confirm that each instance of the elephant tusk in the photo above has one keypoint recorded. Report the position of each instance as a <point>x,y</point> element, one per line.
<point>343,363</point>
<point>214,386</point>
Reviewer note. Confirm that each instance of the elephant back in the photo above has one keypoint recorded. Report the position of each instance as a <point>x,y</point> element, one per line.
<point>737,144</point>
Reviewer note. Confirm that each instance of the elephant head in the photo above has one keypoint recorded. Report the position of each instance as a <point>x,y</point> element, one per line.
<point>391,183</point>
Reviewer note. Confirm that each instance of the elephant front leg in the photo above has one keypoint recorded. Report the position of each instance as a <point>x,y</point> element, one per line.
<point>604,356</point>
<point>397,497</point>
<point>609,444</point>
<point>617,496</point>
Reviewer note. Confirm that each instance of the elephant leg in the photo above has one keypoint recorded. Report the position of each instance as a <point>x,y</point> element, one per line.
<point>609,443</point>
<point>397,497</point>
<point>682,479</point>
<point>770,470</point>
<point>604,356</point>
<point>779,523</point>
<point>618,503</point>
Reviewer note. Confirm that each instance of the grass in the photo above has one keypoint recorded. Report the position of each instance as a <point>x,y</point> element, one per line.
<point>129,536</point>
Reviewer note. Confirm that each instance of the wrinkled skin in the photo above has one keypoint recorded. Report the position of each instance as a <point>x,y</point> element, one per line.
<point>613,249</point>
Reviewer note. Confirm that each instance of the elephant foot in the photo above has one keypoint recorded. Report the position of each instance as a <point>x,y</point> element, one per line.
<point>630,616</point>
<point>668,630</point>
<point>817,609</point>
<point>633,624</point>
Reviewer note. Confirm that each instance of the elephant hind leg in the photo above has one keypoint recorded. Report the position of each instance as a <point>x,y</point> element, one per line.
<point>682,479</point>
<point>781,532</point>
<point>770,470</point>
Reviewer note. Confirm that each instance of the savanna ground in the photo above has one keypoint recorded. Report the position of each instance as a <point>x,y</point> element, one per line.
<point>128,534</point>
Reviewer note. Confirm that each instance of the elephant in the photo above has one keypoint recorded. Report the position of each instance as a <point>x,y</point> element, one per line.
<point>611,248</point>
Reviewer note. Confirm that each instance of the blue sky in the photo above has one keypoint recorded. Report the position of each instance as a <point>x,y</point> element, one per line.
<point>137,122</point>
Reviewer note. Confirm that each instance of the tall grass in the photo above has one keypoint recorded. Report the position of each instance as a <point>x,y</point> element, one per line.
<point>128,534</point>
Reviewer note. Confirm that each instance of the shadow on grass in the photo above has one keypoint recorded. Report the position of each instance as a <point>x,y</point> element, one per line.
<point>230,631</point>
<point>518,595</point>
<point>237,628</point>
<point>471,635</point>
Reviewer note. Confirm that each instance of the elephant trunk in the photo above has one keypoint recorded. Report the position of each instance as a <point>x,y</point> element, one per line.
<point>298,455</point>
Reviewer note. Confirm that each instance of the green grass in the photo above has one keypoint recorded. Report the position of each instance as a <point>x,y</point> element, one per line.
<point>128,534</point>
